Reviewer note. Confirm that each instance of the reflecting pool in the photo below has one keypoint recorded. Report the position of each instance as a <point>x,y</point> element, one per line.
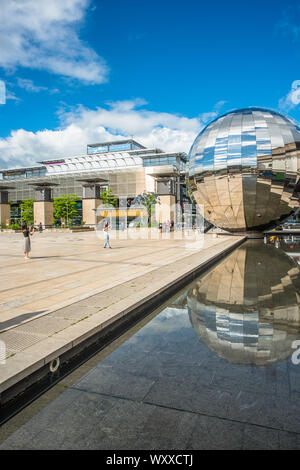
<point>246,309</point>
<point>212,368</point>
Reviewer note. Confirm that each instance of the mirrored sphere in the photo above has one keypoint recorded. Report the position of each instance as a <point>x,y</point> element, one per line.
<point>243,169</point>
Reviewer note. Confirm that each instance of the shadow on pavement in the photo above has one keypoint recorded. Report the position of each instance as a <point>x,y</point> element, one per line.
<point>18,320</point>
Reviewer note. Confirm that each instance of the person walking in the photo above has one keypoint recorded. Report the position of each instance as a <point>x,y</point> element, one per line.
<point>27,245</point>
<point>40,227</point>
<point>105,230</point>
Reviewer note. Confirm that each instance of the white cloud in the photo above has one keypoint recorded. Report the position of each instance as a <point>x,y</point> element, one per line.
<point>82,126</point>
<point>43,35</point>
<point>10,95</point>
<point>292,99</point>
<point>288,25</point>
<point>28,85</point>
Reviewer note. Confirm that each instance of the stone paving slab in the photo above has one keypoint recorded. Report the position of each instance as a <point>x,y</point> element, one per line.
<point>86,420</point>
<point>106,292</point>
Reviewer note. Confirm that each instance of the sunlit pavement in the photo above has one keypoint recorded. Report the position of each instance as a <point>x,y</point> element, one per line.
<point>65,268</point>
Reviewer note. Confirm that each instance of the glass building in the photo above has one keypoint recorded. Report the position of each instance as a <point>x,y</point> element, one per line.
<point>126,167</point>
<point>244,168</point>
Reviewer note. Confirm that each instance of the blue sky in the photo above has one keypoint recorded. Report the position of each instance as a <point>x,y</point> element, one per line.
<point>83,71</point>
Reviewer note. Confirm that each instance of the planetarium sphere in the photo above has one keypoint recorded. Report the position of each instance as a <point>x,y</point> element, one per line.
<point>243,169</point>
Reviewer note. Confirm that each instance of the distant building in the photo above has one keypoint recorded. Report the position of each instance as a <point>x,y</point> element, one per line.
<point>125,166</point>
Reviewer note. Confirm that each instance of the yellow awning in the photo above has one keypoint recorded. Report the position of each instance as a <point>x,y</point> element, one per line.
<point>121,212</point>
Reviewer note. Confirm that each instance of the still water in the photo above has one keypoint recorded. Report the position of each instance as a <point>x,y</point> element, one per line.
<point>215,367</point>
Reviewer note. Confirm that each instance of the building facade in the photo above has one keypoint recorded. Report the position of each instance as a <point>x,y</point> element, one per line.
<point>125,167</point>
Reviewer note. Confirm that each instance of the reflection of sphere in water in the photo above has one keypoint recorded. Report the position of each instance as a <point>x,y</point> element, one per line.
<point>243,168</point>
<point>246,309</point>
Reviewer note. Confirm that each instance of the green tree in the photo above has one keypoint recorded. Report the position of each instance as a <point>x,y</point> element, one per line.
<point>109,198</point>
<point>65,207</point>
<point>147,200</point>
<point>190,192</point>
<point>27,211</point>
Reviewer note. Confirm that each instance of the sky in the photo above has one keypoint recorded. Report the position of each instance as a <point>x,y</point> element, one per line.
<point>78,72</point>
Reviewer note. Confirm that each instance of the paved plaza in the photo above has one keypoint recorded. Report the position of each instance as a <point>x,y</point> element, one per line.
<point>157,376</point>
<point>72,288</point>
<point>160,385</point>
<point>67,267</point>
